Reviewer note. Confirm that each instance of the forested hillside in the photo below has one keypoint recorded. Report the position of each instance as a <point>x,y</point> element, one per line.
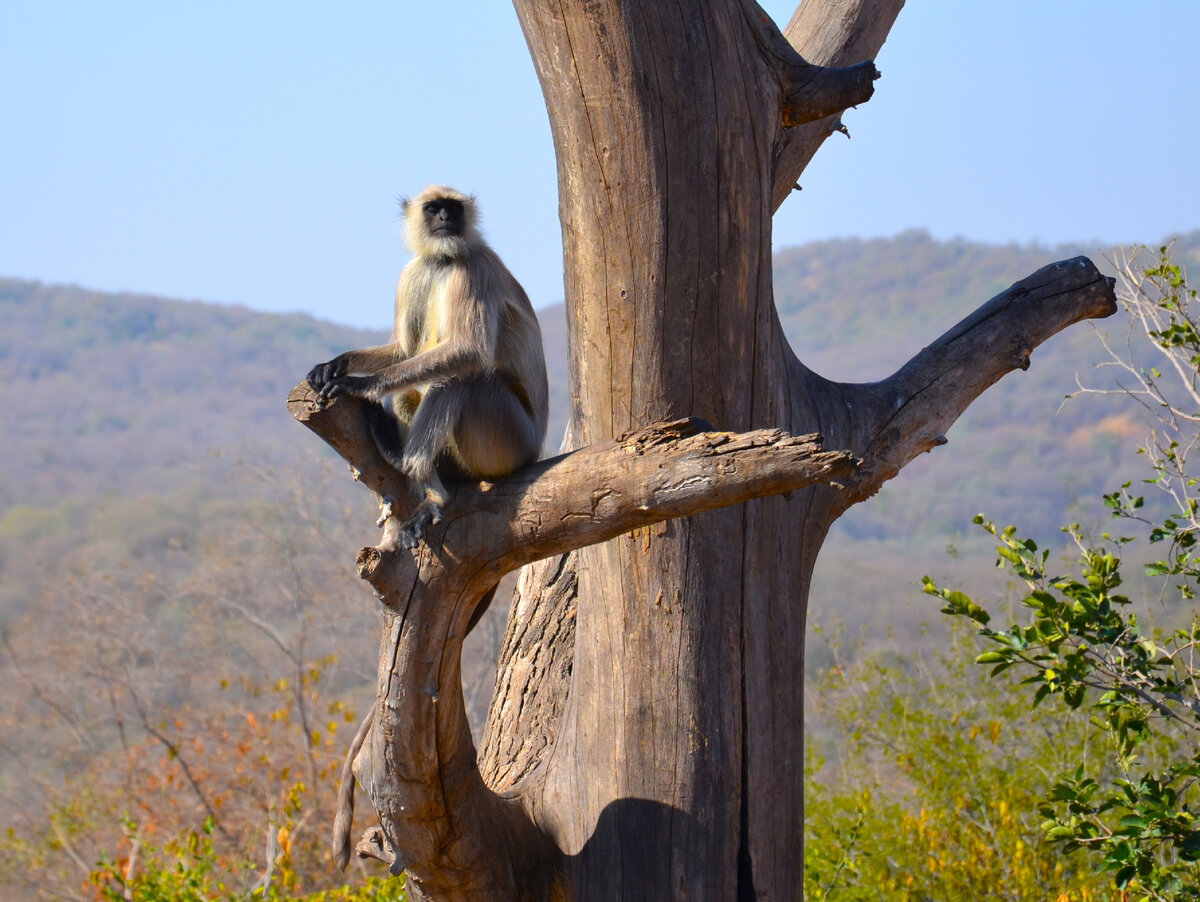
<point>127,394</point>
<point>176,553</point>
<point>172,409</point>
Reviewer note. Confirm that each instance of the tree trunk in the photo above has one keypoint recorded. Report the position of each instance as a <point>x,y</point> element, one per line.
<point>677,768</point>
<point>646,736</point>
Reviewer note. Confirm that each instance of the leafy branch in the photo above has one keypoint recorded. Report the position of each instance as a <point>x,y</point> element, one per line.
<point>1083,641</point>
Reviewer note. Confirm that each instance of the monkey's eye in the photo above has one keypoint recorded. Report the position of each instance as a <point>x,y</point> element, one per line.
<point>431,208</point>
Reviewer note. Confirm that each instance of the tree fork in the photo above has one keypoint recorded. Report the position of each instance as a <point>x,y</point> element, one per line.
<point>439,822</point>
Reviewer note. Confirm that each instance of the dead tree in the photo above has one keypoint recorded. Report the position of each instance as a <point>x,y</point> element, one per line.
<point>646,736</point>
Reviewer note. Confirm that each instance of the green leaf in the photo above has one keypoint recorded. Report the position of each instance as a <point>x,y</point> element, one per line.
<point>992,657</point>
<point>1124,875</point>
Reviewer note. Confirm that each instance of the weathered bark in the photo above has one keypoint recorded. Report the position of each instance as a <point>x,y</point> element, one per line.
<point>646,737</point>
<point>674,766</point>
<point>457,837</point>
<point>454,836</point>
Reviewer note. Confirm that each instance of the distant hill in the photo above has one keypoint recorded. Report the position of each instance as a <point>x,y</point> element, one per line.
<point>120,394</point>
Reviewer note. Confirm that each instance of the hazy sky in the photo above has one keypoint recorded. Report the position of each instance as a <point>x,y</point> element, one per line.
<point>253,152</point>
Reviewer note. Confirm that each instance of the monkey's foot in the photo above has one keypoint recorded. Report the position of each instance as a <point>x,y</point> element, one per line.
<point>412,533</point>
<point>385,510</point>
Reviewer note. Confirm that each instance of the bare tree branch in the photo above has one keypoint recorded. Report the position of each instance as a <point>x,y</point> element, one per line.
<point>830,33</point>
<point>593,494</point>
<point>810,91</point>
<point>917,405</point>
<point>174,752</point>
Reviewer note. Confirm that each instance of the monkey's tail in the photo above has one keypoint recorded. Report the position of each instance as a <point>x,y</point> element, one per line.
<point>344,818</point>
<point>386,433</point>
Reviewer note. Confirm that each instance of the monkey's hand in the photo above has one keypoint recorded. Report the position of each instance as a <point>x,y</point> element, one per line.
<point>330,380</point>
<point>324,373</point>
<point>354,386</point>
<point>412,533</point>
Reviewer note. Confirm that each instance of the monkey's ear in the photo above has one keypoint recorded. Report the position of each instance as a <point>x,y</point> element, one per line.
<point>404,203</point>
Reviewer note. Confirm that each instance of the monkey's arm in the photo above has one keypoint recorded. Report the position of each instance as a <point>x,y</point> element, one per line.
<point>365,360</point>
<point>468,317</point>
<point>445,360</point>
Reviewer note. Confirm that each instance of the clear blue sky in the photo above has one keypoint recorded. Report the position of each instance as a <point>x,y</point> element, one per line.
<point>253,152</point>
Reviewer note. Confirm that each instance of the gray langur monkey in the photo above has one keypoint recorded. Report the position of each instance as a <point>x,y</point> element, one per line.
<point>463,382</point>
<point>464,377</point>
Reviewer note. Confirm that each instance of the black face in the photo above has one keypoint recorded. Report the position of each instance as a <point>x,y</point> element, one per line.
<point>444,216</point>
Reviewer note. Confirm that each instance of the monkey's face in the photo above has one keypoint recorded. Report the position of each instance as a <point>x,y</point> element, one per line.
<point>444,217</point>
<point>439,223</point>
